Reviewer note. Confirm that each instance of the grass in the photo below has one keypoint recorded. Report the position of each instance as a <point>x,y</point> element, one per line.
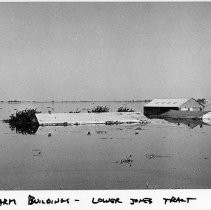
<point>125,109</point>
<point>24,121</point>
<point>100,109</point>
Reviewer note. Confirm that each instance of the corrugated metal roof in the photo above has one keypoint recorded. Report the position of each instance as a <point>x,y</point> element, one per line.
<point>166,102</point>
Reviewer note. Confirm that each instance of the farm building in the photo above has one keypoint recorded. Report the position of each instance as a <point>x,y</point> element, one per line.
<point>160,106</point>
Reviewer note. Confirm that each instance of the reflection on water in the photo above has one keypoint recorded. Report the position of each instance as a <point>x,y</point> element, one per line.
<point>191,123</point>
<point>24,129</point>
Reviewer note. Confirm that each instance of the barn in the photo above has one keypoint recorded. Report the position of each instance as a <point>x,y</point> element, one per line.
<point>160,106</point>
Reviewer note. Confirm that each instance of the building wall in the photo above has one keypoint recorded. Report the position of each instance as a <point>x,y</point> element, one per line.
<point>191,105</point>
<point>149,111</point>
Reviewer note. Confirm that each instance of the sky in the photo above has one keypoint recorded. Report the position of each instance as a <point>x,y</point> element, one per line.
<point>105,51</point>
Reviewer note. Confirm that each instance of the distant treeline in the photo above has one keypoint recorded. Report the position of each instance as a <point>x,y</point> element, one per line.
<point>200,100</point>
<point>14,101</point>
<point>17,101</point>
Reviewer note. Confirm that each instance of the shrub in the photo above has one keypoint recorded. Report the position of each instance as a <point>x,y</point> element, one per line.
<point>125,109</point>
<point>99,109</point>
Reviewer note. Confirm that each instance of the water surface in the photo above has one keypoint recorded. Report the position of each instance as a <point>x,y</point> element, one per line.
<point>159,155</point>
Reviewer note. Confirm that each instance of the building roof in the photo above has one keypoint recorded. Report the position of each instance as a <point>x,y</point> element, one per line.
<point>166,102</point>
<point>89,118</point>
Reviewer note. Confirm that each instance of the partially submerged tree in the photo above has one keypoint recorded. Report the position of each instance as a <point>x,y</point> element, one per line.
<point>24,121</point>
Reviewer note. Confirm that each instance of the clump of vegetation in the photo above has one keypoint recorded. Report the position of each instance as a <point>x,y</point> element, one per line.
<point>24,122</point>
<point>99,109</point>
<point>125,109</point>
<point>202,100</point>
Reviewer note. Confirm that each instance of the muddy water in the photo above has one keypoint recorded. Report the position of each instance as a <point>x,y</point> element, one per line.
<point>160,155</point>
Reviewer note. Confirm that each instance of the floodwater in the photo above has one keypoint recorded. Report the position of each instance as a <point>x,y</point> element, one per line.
<point>159,155</point>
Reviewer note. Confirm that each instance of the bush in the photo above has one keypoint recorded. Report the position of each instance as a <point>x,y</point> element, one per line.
<point>125,109</point>
<point>99,109</point>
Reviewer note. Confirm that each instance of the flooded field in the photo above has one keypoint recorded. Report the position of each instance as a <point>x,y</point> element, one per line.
<point>159,155</point>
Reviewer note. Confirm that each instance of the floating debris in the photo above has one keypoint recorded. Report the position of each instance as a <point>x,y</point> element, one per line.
<point>153,156</point>
<point>77,111</point>
<point>37,152</point>
<point>127,160</point>
<point>89,133</point>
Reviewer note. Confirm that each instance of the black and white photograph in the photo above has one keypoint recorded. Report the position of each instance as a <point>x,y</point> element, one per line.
<point>105,95</point>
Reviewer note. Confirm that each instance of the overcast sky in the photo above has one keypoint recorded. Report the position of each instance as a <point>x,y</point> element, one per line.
<point>105,51</point>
